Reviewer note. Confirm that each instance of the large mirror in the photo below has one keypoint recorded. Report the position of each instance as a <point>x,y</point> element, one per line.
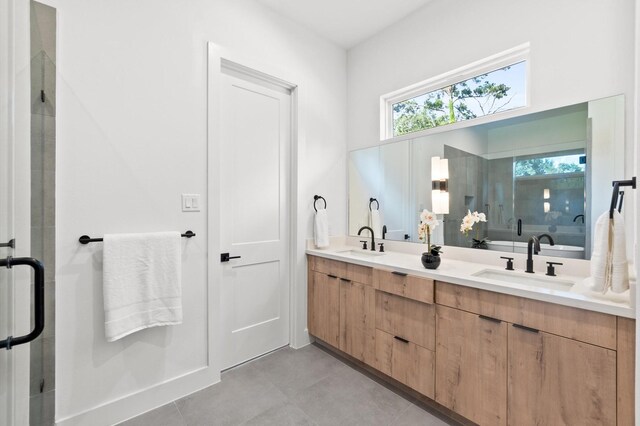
<point>548,172</point>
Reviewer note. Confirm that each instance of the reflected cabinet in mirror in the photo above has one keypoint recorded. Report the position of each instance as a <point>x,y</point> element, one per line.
<point>548,172</point>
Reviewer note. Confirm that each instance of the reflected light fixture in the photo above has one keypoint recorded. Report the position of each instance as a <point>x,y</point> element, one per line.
<point>440,185</point>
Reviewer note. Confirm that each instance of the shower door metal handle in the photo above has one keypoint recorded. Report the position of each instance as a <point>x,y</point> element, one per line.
<point>38,273</point>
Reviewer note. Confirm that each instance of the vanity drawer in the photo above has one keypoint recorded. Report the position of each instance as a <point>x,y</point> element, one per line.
<point>578,324</point>
<point>327,266</point>
<point>406,362</point>
<point>347,271</point>
<point>416,288</point>
<point>407,319</point>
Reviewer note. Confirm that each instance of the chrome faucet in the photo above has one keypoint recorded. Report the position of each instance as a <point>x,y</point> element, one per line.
<point>533,247</point>
<point>373,240</point>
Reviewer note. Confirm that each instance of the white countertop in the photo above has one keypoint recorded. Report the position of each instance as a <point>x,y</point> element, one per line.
<point>461,273</point>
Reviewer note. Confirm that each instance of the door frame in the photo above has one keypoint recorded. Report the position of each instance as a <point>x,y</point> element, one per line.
<point>15,116</point>
<point>219,59</point>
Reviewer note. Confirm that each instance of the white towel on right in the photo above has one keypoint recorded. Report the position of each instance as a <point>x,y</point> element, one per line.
<point>375,222</point>
<point>321,228</point>
<point>609,266</point>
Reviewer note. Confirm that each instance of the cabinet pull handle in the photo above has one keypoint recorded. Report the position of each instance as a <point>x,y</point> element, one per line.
<point>525,328</point>
<point>401,339</point>
<point>402,274</point>
<point>332,276</point>
<point>345,280</point>
<point>484,317</point>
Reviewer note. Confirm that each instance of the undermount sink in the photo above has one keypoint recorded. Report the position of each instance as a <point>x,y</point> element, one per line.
<point>364,253</point>
<point>528,279</point>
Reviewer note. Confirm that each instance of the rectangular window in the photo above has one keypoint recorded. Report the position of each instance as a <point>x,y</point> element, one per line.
<point>493,85</point>
<point>556,165</point>
<point>484,94</point>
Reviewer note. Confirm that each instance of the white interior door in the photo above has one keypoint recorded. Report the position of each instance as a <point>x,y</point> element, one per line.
<point>254,214</point>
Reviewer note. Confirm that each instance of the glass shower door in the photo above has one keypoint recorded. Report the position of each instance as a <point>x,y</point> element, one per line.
<point>7,365</point>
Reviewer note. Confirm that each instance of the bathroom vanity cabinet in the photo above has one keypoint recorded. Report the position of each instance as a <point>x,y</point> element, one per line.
<point>492,358</point>
<point>540,363</point>
<point>341,307</point>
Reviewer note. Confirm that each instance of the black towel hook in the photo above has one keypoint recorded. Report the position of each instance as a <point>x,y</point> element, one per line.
<point>616,192</point>
<point>371,200</point>
<point>315,199</point>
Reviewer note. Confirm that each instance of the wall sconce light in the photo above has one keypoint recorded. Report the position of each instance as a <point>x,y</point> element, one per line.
<point>547,207</point>
<point>546,193</point>
<point>440,185</point>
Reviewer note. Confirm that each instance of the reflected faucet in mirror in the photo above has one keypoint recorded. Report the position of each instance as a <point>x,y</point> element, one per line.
<point>373,239</point>
<point>548,237</point>
<point>578,217</point>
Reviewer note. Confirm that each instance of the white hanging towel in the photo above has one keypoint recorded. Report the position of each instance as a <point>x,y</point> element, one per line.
<point>375,222</point>
<point>321,227</point>
<point>141,282</point>
<point>609,267</point>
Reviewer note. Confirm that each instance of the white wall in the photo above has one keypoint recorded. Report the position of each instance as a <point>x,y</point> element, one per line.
<point>132,136</point>
<point>636,156</point>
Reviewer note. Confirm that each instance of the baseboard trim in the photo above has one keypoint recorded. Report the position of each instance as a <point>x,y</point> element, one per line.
<point>129,406</point>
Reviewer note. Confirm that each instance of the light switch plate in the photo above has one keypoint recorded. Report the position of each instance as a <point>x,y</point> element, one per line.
<point>190,202</point>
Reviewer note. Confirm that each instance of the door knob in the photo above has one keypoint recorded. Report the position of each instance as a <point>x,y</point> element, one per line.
<point>224,257</point>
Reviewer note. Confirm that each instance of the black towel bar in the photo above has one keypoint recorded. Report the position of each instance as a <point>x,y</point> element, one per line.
<point>85,239</point>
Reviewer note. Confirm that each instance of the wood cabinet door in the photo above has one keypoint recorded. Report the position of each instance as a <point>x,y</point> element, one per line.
<point>553,380</point>
<point>357,320</point>
<point>324,308</point>
<point>471,365</point>
<point>406,362</point>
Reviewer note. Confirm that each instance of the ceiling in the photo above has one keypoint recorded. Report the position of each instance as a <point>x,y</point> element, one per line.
<point>345,22</point>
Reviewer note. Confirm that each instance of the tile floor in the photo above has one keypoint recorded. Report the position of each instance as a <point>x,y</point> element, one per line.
<point>308,386</point>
